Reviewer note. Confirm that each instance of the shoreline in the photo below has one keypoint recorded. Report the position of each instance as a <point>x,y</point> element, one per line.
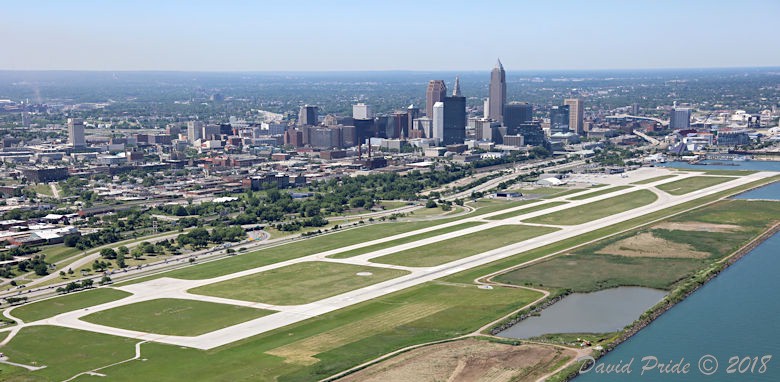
<point>679,295</point>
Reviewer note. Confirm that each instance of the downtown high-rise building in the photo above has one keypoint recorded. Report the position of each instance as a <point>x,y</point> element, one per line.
<point>559,119</point>
<point>436,92</point>
<point>454,117</point>
<point>437,130</point>
<point>680,118</point>
<point>362,111</point>
<point>76,136</point>
<point>518,113</point>
<point>194,131</point>
<point>497,93</point>
<point>575,115</point>
<point>307,116</point>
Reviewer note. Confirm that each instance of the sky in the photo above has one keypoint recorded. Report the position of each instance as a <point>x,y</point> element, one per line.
<point>347,35</point>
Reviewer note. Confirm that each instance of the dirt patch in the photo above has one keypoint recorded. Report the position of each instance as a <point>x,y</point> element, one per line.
<point>697,226</point>
<point>467,360</point>
<point>647,245</point>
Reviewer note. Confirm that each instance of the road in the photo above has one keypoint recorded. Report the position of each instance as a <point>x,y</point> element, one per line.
<point>286,315</point>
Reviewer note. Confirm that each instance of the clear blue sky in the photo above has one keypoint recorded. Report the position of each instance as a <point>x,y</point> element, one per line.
<point>387,35</point>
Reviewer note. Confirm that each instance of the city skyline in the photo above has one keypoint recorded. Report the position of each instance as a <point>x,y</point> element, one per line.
<point>242,36</point>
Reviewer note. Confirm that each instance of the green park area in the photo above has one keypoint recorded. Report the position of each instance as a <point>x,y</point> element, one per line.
<point>598,193</point>
<point>463,246</point>
<point>175,317</point>
<point>73,301</point>
<point>524,211</point>
<point>404,240</point>
<point>300,283</point>
<point>597,210</point>
<point>694,183</point>
<point>305,351</point>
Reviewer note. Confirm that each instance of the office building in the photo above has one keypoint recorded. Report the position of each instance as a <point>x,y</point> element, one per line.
<point>559,119</point>
<point>76,136</point>
<point>307,116</point>
<point>362,111</point>
<point>436,92</point>
<point>517,113</point>
<point>454,117</point>
<point>194,131</point>
<point>575,115</point>
<point>412,113</point>
<point>680,119</point>
<point>437,130</point>
<point>497,93</point>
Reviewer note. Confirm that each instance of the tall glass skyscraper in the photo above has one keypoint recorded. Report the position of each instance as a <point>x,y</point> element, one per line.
<point>497,93</point>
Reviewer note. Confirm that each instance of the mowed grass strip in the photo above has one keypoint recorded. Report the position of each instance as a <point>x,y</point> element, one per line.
<point>73,301</point>
<point>463,246</point>
<point>300,283</point>
<point>408,239</point>
<point>65,352</point>
<point>597,210</point>
<point>175,317</point>
<point>694,183</point>
<point>656,179</point>
<point>319,347</point>
<point>528,210</point>
<point>599,192</point>
<point>295,249</point>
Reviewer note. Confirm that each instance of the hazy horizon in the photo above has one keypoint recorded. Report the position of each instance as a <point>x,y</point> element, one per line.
<point>404,35</point>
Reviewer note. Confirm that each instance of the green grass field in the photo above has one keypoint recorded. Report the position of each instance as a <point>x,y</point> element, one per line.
<point>587,273</point>
<point>408,239</point>
<point>463,246</point>
<point>315,348</point>
<point>656,179</point>
<point>695,183</point>
<point>525,211</point>
<point>297,284</point>
<point>597,210</point>
<point>175,317</point>
<point>73,301</point>
<point>599,192</point>
<point>587,269</point>
<point>486,206</point>
<point>295,249</point>
<point>65,353</point>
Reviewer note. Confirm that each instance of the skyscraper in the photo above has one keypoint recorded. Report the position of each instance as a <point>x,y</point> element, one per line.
<point>436,92</point>
<point>362,111</point>
<point>76,132</point>
<point>680,118</point>
<point>454,117</point>
<point>194,131</point>
<point>307,115</point>
<point>517,113</point>
<point>497,93</point>
<point>575,115</point>
<point>412,113</point>
<point>438,121</point>
<point>559,119</point>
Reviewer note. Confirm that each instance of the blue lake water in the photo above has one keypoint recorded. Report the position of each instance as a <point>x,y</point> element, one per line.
<point>604,311</point>
<point>753,165</point>
<point>734,315</point>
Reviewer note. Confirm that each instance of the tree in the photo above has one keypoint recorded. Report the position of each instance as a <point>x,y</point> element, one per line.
<point>120,261</point>
<point>430,203</point>
<point>71,240</point>
<point>62,274</point>
<point>41,269</point>
<point>108,253</point>
<point>123,250</point>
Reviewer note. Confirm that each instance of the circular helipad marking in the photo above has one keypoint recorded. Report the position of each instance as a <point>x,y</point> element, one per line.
<point>364,274</point>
